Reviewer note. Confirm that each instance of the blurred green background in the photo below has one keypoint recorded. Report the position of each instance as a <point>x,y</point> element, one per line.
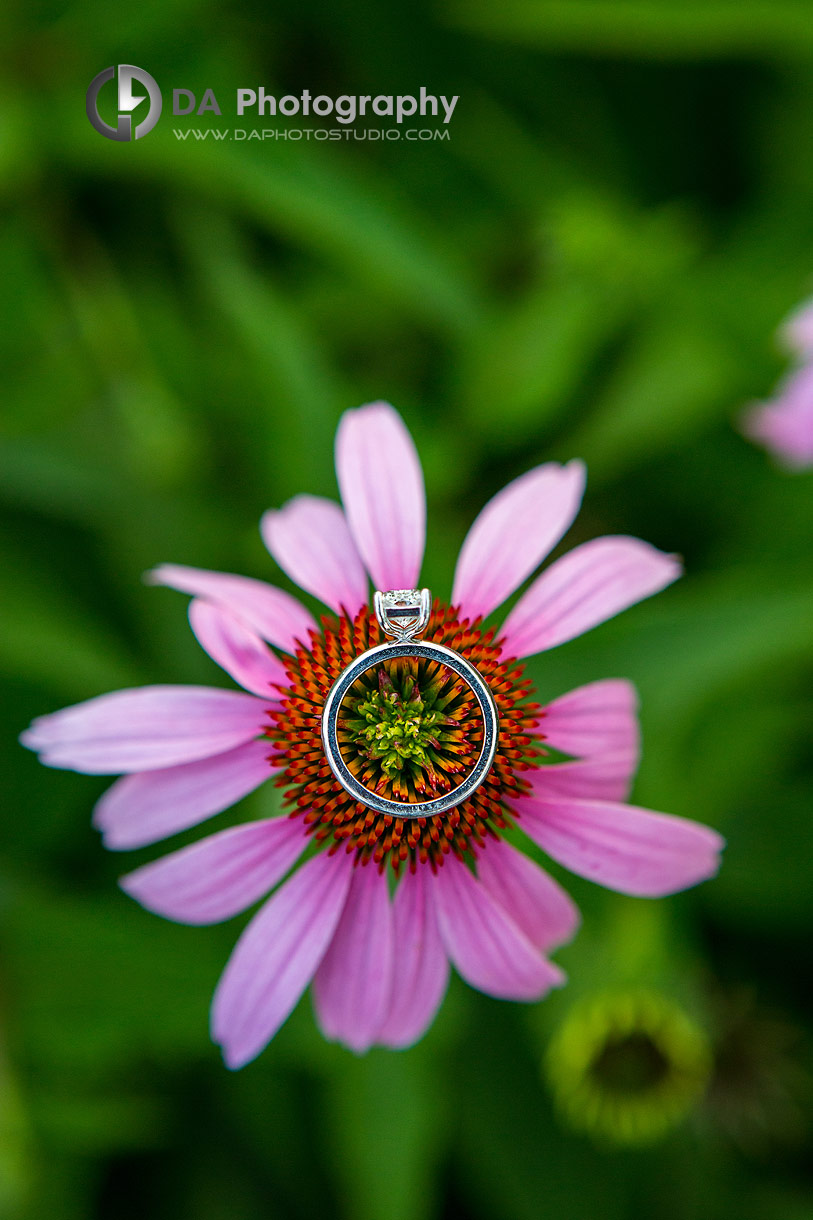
<point>592,266</point>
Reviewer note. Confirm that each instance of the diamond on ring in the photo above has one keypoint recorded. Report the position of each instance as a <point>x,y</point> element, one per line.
<point>403,613</point>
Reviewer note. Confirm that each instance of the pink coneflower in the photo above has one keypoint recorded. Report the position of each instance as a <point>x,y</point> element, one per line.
<point>784,424</point>
<point>381,906</point>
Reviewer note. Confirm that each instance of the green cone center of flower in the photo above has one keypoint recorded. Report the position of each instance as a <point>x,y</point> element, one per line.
<point>631,1064</point>
<point>407,728</point>
<point>627,1067</point>
<point>399,727</point>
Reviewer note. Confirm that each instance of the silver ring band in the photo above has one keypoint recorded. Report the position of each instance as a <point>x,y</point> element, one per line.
<point>406,647</point>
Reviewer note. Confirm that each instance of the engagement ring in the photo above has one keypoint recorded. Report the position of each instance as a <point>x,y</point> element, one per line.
<point>403,615</point>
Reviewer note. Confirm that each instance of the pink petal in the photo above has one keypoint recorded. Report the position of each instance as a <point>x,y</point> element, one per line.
<point>785,424</point>
<point>151,805</point>
<point>273,614</point>
<point>311,542</point>
<point>530,897</point>
<point>514,533</point>
<point>137,730</point>
<point>604,777</point>
<point>237,649</point>
<point>588,585</point>
<point>220,876</point>
<point>632,850</point>
<point>276,957</point>
<point>787,435</point>
<point>381,482</point>
<point>485,945</point>
<point>351,990</point>
<point>600,718</point>
<point>421,969</point>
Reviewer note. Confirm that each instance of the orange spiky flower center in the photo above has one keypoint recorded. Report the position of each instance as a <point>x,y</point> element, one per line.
<point>408,729</point>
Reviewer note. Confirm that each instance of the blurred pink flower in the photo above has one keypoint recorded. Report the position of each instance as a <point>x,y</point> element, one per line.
<point>784,424</point>
<point>463,894</point>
